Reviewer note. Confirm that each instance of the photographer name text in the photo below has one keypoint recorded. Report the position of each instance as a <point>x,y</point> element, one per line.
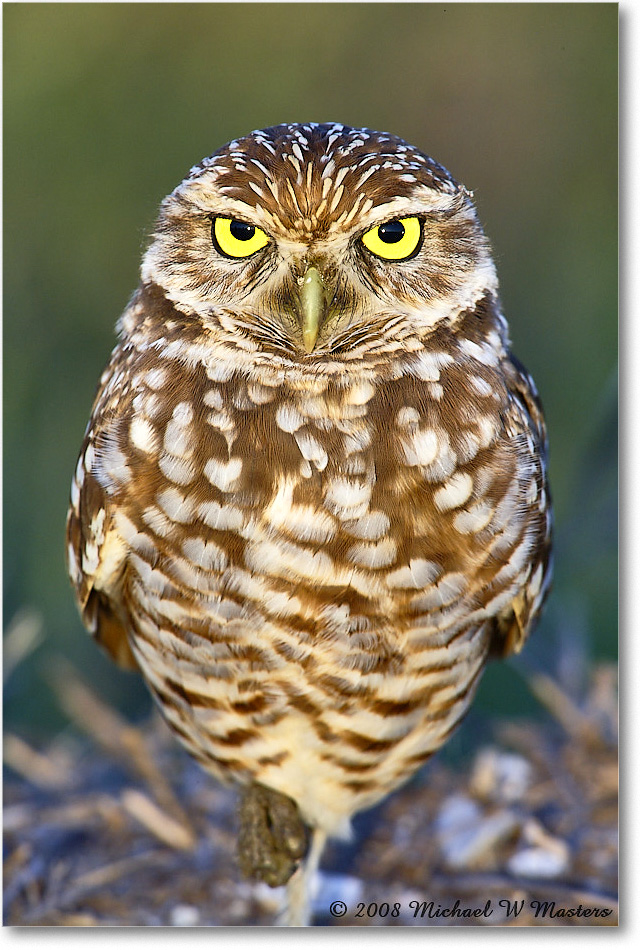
<point>504,908</point>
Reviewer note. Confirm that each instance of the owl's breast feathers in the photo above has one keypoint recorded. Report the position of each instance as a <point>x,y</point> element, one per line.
<point>311,500</point>
<point>373,513</point>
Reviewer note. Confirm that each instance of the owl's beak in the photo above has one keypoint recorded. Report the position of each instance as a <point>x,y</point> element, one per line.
<point>312,301</point>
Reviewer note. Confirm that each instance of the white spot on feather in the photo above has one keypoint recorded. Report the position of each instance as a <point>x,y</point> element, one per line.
<point>454,492</point>
<point>177,507</point>
<point>535,582</point>
<point>357,440</point>
<point>95,538</point>
<point>288,418</point>
<point>347,499</point>
<point>374,555</point>
<point>156,378</point>
<point>417,574</point>
<point>473,519</point>
<point>143,435</point>
<point>468,446</point>
<point>177,439</point>
<point>482,352</point>
<point>421,448</point>
<point>220,370</point>
<point>282,559</point>
<point>371,527</point>
<point>445,592</point>
<point>407,416</point>
<point>481,385</point>
<point>113,551</point>
<point>312,450</point>
<point>305,522</point>
<point>213,398</point>
<point>516,561</point>
<point>260,394</point>
<point>223,475</point>
<point>220,517</point>
<point>205,554</point>
<point>111,465</point>
<point>183,413</point>
<point>427,366</point>
<point>444,465</point>
<point>74,571</point>
<point>89,457</point>
<point>360,394</point>
<point>487,430</point>
<point>180,471</point>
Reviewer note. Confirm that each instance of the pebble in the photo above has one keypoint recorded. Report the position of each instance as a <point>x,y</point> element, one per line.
<point>501,776</point>
<point>184,915</point>
<point>544,855</point>
<point>537,862</point>
<point>466,837</point>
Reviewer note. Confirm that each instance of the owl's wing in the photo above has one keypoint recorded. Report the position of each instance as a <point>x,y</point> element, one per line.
<point>524,422</point>
<point>96,557</point>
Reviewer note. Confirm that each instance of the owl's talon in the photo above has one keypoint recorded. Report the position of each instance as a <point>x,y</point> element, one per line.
<point>273,837</point>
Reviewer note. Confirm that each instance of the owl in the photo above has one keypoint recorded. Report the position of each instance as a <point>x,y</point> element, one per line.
<point>311,501</point>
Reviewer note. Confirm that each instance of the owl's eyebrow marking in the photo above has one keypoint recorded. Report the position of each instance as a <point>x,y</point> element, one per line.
<point>346,216</point>
<point>296,149</point>
<point>336,198</point>
<point>341,174</point>
<point>294,197</point>
<point>443,214</point>
<point>328,171</point>
<point>261,167</point>
<point>370,171</point>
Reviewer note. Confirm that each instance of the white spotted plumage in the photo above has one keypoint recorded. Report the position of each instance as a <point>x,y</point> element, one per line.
<point>310,550</point>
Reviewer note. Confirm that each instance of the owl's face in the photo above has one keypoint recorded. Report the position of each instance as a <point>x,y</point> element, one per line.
<point>319,242</point>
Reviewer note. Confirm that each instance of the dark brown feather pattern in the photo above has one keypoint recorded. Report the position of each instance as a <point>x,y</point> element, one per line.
<point>311,555</point>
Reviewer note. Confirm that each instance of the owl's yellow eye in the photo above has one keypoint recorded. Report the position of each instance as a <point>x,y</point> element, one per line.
<point>395,240</point>
<point>235,238</point>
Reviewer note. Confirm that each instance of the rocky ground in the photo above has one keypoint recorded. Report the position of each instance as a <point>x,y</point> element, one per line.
<point>122,828</point>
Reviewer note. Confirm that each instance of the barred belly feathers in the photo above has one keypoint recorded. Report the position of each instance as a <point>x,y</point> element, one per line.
<point>311,500</point>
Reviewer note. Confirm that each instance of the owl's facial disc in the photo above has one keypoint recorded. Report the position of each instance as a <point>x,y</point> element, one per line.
<point>320,243</point>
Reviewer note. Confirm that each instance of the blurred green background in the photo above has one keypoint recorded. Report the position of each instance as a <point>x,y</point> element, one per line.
<point>107,106</point>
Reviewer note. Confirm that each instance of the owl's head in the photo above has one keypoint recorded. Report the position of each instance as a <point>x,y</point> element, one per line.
<point>320,242</point>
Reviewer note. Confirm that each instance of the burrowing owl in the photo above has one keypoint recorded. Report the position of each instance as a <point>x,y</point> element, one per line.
<point>311,500</point>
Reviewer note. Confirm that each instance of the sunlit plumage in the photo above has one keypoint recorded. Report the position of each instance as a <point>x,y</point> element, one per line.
<point>311,500</point>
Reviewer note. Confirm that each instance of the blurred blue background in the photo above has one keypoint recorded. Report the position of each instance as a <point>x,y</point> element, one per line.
<point>107,106</point>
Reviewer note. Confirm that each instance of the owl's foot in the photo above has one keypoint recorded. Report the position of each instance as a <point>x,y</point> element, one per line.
<point>272,838</point>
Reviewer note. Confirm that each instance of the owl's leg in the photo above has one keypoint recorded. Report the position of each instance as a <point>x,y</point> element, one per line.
<point>272,838</point>
<point>298,907</point>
